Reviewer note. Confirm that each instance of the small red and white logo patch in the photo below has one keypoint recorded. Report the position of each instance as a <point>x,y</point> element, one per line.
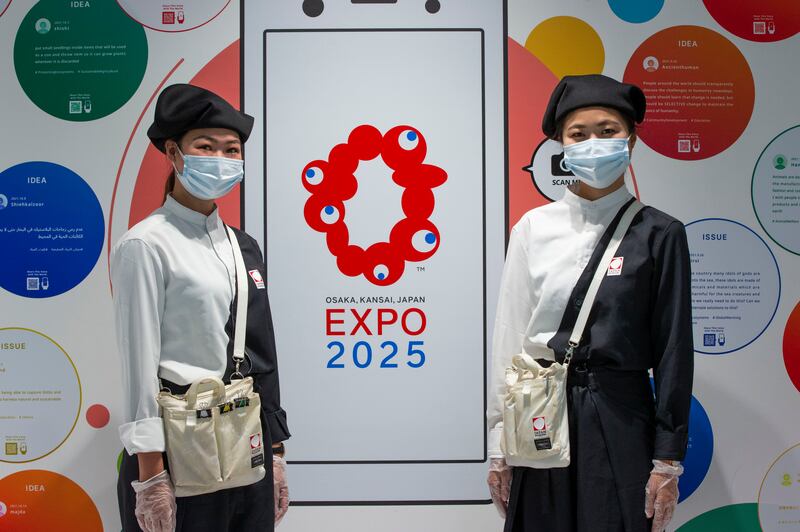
<point>615,268</point>
<point>539,423</point>
<point>255,441</point>
<point>256,276</point>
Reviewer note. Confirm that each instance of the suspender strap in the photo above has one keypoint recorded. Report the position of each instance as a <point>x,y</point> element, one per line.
<point>241,305</point>
<point>616,239</point>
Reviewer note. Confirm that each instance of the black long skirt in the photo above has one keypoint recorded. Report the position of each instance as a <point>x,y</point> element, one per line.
<point>611,418</point>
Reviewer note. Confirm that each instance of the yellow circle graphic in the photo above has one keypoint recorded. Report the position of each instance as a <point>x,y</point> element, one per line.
<point>568,46</point>
<point>779,493</point>
<point>39,391</point>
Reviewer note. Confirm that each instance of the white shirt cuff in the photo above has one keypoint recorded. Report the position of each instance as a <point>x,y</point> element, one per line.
<point>493,444</point>
<point>143,436</point>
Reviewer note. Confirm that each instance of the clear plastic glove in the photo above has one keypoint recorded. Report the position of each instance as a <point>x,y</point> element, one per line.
<point>155,504</point>
<point>499,481</point>
<point>281,488</point>
<point>661,493</point>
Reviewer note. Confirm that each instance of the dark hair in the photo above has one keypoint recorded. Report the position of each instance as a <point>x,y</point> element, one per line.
<point>169,185</point>
<point>629,124</point>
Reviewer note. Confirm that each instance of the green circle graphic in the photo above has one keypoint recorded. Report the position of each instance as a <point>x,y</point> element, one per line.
<point>732,518</point>
<point>79,60</point>
<point>780,163</point>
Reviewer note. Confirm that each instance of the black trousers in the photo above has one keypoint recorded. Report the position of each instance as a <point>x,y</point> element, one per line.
<point>611,446</point>
<point>245,509</point>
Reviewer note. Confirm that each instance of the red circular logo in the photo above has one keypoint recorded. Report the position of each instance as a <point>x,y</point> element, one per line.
<point>331,183</point>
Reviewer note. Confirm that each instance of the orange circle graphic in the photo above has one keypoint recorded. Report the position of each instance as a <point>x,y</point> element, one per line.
<point>699,88</point>
<point>42,500</point>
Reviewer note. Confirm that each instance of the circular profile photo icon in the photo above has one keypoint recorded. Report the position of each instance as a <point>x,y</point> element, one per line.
<point>779,162</point>
<point>3,202</point>
<point>3,509</point>
<point>43,26</point>
<point>650,64</point>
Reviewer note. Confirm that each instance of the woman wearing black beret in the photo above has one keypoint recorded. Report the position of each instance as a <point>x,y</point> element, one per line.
<point>626,441</point>
<point>174,280</point>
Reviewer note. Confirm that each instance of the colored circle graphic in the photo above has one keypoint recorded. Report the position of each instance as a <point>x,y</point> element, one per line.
<point>40,395</point>
<point>42,500</point>
<point>173,16</point>
<point>736,285</point>
<point>775,190</point>
<point>97,416</point>
<point>79,63</point>
<point>697,104</point>
<point>581,53</point>
<point>699,450</point>
<point>762,21</point>
<point>779,494</point>
<point>636,11</point>
<point>791,346</point>
<point>51,229</point>
<point>732,518</point>
<point>530,83</point>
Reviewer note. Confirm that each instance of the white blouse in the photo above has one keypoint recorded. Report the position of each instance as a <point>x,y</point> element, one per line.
<point>173,279</point>
<point>547,251</point>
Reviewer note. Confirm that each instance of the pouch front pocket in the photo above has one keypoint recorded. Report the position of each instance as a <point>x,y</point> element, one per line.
<point>241,439</point>
<point>192,448</point>
<point>536,422</point>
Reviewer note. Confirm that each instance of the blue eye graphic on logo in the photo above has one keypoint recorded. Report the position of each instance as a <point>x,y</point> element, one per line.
<point>329,215</point>
<point>380,272</point>
<point>423,241</point>
<point>313,176</point>
<point>408,140</point>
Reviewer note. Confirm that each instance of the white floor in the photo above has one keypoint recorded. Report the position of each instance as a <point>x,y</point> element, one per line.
<point>477,518</point>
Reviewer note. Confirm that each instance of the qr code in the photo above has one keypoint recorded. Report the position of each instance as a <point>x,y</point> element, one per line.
<point>168,17</point>
<point>33,283</point>
<point>684,146</point>
<point>759,28</point>
<point>75,107</point>
<point>709,340</point>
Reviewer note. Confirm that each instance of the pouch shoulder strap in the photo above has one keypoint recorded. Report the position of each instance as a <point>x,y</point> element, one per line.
<point>241,303</point>
<point>616,239</point>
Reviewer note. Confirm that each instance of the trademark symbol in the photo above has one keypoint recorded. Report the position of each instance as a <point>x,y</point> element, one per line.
<point>420,268</point>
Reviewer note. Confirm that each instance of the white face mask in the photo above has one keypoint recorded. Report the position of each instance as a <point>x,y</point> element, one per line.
<point>598,162</point>
<point>209,178</point>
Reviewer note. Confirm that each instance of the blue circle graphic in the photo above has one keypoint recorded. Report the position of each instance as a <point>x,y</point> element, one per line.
<point>51,231</point>
<point>411,136</point>
<point>636,11</point>
<point>699,451</point>
<point>430,238</point>
<point>710,338</point>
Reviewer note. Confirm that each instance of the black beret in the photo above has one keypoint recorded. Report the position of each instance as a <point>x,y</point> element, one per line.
<point>574,92</point>
<point>182,107</point>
